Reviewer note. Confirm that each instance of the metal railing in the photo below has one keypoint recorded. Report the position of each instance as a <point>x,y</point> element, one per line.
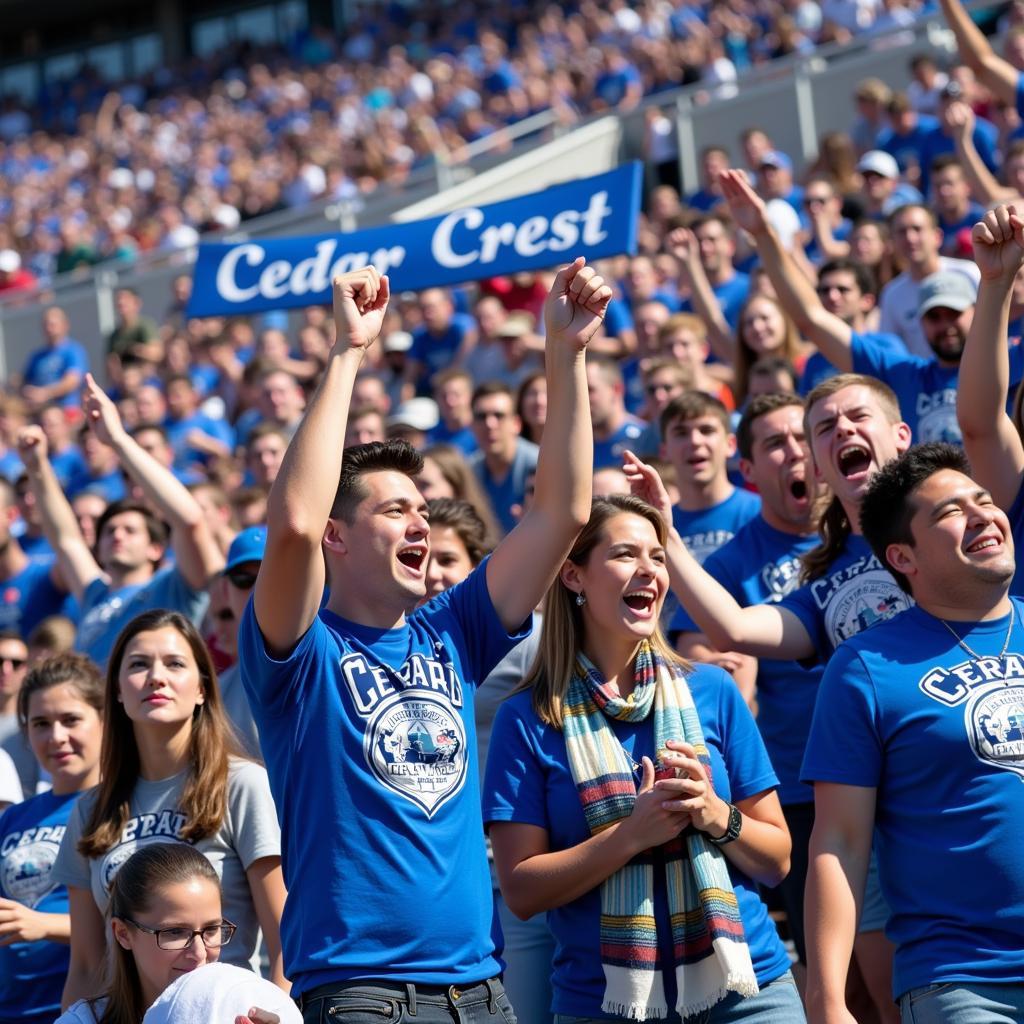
<point>817,89</point>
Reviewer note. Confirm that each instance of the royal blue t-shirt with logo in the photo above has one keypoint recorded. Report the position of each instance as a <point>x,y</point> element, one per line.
<point>32,974</point>
<point>925,389</point>
<point>761,565</point>
<point>703,532</point>
<point>939,733</point>
<point>609,451</point>
<point>367,735</point>
<point>854,594</point>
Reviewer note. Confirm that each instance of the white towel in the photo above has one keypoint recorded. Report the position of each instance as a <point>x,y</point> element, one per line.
<point>217,994</point>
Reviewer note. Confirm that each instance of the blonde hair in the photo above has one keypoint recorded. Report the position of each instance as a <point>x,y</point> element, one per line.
<point>561,633</point>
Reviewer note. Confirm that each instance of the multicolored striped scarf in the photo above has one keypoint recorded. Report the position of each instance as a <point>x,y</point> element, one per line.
<point>710,955</point>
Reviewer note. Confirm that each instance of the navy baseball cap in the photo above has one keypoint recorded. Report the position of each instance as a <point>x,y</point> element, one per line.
<point>248,546</point>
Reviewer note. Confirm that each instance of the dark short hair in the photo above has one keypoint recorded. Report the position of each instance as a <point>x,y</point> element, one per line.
<point>904,207</point>
<point>377,456</point>
<point>691,405</point>
<point>758,406</point>
<point>887,509</point>
<point>863,275</point>
<point>491,387</point>
<point>158,531</point>
<point>151,428</point>
<point>944,160</point>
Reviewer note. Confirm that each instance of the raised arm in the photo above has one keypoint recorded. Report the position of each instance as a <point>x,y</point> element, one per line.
<point>796,293</point>
<point>682,243</point>
<point>527,560</point>
<point>291,580</point>
<point>844,820</point>
<point>197,554</point>
<point>78,567</point>
<point>998,74</point>
<point>990,438</point>
<point>763,630</point>
<point>959,121</point>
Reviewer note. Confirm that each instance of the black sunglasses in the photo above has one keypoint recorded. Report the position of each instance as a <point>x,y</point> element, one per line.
<point>241,578</point>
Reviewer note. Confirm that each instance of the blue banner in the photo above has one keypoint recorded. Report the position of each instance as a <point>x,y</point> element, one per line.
<point>591,217</point>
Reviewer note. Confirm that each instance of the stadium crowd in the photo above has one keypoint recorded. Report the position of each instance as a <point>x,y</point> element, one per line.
<point>100,173</point>
<point>637,641</point>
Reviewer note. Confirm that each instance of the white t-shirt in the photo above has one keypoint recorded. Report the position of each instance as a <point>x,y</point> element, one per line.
<point>899,301</point>
<point>83,1012</point>
<point>249,832</point>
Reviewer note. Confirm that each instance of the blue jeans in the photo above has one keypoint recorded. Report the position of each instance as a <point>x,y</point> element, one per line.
<point>777,1003</point>
<point>386,1002</point>
<point>960,1002</point>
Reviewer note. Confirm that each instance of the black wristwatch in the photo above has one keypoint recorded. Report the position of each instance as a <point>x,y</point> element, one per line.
<point>732,830</point>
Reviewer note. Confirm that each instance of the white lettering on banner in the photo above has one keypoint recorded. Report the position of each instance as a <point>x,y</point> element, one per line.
<point>526,239</point>
<point>312,274</point>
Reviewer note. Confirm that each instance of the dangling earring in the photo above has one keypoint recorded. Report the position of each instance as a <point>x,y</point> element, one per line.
<point>581,599</point>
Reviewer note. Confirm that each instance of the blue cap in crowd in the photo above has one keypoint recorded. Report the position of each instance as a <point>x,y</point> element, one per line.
<point>776,158</point>
<point>248,546</point>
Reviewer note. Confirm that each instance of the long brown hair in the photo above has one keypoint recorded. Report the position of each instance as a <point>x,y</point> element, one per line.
<point>143,874</point>
<point>746,357</point>
<point>561,633</point>
<point>834,525</point>
<point>204,798</point>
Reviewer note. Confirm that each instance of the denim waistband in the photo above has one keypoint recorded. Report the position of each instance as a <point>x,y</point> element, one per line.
<point>409,992</point>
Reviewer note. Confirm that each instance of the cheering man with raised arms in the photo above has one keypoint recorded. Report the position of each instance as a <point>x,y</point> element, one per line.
<point>365,709</point>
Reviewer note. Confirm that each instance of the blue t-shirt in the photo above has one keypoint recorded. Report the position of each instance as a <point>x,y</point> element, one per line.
<point>761,565</point>
<point>48,365</point>
<point>105,611</point>
<point>503,494</point>
<point>178,433</point>
<point>367,735</point>
<point>907,147</point>
<point>925,389</point>
<point>32,974</point>
<point>940,735</point>
<point>68,464</point>
<point>111,486</point>
<point>29,597</point>
<point>437,351</point>
<point>529,781</point>
<point>704,532</point>
<point>609,451</point>
<point>857,592</point>
<point>818,368</point>
<point>731,295</point>
<point>937,143</point>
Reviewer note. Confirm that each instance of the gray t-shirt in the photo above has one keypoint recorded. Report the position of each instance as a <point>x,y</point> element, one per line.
<point>13,741</point>
<point>249,831</point>
<point>236,704</point>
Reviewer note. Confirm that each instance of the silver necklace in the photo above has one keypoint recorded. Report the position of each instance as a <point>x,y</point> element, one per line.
<point>977,657</point>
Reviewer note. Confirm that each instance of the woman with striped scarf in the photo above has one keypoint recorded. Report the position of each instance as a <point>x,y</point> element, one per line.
<point>629,795</point>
